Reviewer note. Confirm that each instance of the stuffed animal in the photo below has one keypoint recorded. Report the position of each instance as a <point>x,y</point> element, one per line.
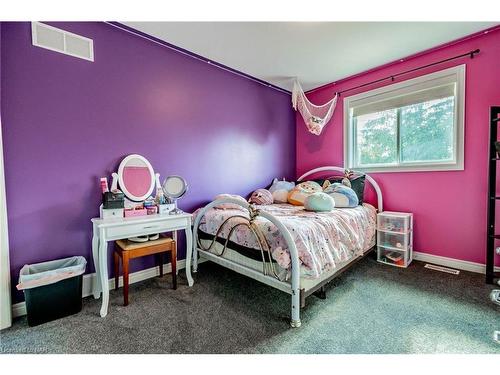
<point>261,196</point>
<point>342,195</point>
<point>319,202</point>
<point>348,174</point>
<point>299,193</point>
<point>230,206</point>
<point>280,189</point>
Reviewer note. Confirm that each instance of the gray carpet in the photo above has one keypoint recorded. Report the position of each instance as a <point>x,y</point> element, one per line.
<point>370,309</point>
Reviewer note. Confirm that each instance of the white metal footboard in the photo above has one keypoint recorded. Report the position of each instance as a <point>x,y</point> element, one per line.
<point>292,288</point>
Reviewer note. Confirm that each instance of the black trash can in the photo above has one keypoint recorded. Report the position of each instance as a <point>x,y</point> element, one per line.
<point>52,290</point>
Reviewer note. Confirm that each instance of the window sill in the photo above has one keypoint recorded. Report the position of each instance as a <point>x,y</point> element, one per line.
<point>410,168</point>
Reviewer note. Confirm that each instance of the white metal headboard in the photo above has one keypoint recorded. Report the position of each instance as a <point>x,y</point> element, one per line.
<point>341,170</point>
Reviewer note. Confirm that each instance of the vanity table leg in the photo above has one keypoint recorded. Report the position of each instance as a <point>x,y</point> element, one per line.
<point>96,283</point>
<point>173,257</point>
<point>103,265</point>
<point>174,237</point>
<point>189,254</point>
<point>116,259</point>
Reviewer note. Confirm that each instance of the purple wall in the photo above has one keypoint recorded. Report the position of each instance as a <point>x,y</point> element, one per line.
<point>67,122</point>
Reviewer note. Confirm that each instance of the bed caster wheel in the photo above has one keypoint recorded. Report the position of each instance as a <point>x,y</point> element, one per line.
<point>295,323</point>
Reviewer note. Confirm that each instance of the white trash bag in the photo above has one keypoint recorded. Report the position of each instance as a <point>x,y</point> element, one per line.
<point>39,274</point>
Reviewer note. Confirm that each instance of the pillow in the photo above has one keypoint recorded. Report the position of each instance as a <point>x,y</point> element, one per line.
<point>280,190</point>
<point>319,202</point>
<point>342,195</point>
<point>261,196</point>
<point>299,193</point>
<point>357,184</point>
<point>230,206</point>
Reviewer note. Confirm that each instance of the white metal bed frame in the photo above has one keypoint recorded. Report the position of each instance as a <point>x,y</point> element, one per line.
<point>293,287</point>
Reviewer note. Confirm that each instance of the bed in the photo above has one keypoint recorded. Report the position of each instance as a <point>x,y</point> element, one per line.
<point>284,246</point>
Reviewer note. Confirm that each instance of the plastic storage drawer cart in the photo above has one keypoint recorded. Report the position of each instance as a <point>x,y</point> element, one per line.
<point>52,289</point>
<point>395,238</point>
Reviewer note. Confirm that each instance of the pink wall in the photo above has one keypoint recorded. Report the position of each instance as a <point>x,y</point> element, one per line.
<point>449,207</point>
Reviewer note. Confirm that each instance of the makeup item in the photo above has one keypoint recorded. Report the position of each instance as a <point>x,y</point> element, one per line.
<point>152,210</point>
<point>149,202</point>
<point>114,183</point>
<point>104,185</point>
<point>160,196</point>
<point>165,208</point>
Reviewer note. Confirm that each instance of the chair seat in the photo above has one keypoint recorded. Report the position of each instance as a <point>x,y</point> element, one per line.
<point>129,245</point>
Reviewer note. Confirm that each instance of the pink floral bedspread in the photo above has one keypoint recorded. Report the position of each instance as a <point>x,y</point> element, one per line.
<point>323,239</point>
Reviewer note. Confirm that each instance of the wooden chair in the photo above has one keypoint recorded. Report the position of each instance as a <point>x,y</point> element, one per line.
<point>127,250</point>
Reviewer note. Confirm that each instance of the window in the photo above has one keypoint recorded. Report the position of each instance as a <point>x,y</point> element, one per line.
<point>415,125</point>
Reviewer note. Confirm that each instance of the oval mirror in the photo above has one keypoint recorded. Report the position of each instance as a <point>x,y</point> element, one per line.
<point>136,177</point>
<point>174,187</point>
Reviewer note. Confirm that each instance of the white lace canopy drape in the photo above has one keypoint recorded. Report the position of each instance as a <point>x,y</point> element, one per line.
<point>315,116</point>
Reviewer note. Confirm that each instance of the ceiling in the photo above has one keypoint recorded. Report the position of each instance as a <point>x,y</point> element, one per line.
<point>315,52</point>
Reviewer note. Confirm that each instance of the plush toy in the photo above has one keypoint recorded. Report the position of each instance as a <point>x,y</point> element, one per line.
<point>280,189</point>
<point>229,206</point>
<point>348,174</point>
<point>299,193</point>
<point>319,202</point>
<point>261,196</point>
<point>343,195</point>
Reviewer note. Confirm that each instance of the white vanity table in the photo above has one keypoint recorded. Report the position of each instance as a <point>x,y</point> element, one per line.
<point>105,230</point>
<point>137,180</point>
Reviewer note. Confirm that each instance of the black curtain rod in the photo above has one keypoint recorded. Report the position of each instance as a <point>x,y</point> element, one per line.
<point>392,77</point>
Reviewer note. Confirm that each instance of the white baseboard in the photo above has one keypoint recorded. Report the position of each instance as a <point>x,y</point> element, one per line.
<point>452,263</point>
<point>19,309</point>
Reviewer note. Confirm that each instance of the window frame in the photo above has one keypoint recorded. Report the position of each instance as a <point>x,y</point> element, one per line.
<point>457,163</point>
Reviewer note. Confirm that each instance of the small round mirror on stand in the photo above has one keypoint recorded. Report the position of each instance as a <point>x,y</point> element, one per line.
<point>174,187</point>
<point>136,177</point>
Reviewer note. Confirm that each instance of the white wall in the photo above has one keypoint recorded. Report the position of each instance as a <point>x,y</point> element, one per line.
<point>5,302</point>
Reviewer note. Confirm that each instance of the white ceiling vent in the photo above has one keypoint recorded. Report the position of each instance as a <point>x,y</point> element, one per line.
<point>58,40</point>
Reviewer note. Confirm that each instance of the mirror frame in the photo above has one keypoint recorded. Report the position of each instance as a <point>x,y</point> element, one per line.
<point>184,190</point>
<point>122,184</point>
